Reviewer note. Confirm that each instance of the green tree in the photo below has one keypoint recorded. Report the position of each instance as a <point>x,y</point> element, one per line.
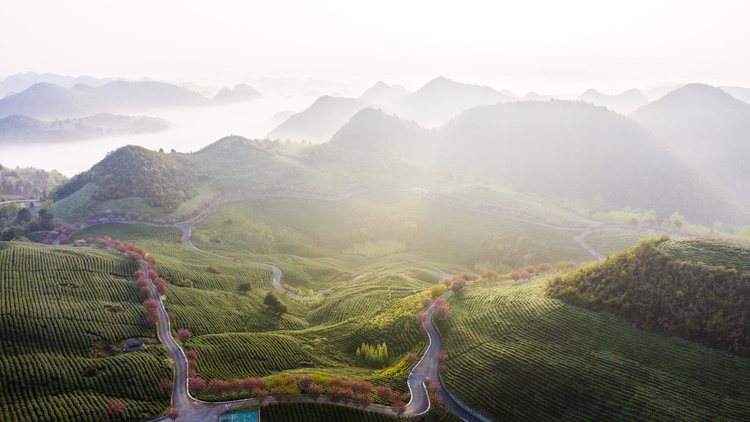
<point>274,304</point>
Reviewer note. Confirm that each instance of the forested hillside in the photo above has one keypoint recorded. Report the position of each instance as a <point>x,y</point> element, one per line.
<point>162,180</point>
<point>657,291</point>
<point>27,183</point>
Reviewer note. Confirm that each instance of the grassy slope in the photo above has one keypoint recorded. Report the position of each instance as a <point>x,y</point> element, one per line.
<point>517,355</point>
<point>445,238</point>
<point>226,324</point>
<point>610,242</point>
<point>52,328</point>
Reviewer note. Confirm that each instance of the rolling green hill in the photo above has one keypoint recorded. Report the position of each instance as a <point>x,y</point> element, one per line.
<point>713,252</point>
<point>160,180</point>
<point>27,183</point>
<point>514,354</point>
<point>66,313</point>
<point>316,231</point>
<point>233,331</point>
<point>657,291</point>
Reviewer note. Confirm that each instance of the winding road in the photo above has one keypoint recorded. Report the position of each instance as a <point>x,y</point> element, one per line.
<point>192,409</point>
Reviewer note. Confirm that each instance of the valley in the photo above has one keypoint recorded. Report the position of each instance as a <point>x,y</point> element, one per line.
<point>392,271</point>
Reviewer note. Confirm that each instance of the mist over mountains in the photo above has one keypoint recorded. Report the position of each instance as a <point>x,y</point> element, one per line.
<point>440,99</point>
<point>431,105</point>
<point>709,129</point>
<point>559,149</point>
<point>381,93</point>
<point>22,129</point>
<point>240,93</point>
<point>14,84</point>
<point>317,123</point>
<point>48,101</point>
<point>668,148</point>
<point>624,103</point>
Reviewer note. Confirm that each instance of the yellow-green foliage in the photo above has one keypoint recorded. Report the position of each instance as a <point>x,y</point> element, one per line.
<point>374,355</point>
<point>436,290</point>
<point>404,365</point>
<point>376,249</point>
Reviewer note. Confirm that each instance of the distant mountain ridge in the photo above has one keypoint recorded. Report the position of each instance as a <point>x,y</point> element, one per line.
<point>318,122</point>
<point>239,93</point>
<point>19,128</point>
<point>623,103</point>
<point>441,99</point>
<point>562,149</point>
<point>740,93</point>
<point>375,131</point>
<point>49,101</point>
<point>709,129</point>
<point>381,93</point>
<point>20,82</point>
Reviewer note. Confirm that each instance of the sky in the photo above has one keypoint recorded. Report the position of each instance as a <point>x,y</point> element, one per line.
<point>544,46</point>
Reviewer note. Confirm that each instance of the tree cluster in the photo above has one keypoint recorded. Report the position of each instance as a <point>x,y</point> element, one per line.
<point>374,355</point>
<point>18,221</point>
<point>284,389</point>
<point>27,183</point>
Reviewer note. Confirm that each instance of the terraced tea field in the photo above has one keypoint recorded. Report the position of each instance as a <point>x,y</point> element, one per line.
<point>233,332</point>
<point>317,412</point>
<point>712,252</point>
<point>374,310</point>
<point>60,340</point>
<point>517,355</point>
<point>609,242</point>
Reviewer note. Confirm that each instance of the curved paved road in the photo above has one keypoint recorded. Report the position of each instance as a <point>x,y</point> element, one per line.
<point>426,367</point>
<point>192,409</point>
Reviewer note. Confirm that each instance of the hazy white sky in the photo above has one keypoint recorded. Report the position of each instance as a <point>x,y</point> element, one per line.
<point>568,43</point>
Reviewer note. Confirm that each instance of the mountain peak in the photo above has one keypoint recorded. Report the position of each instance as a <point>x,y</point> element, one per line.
<point>381,93</point>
